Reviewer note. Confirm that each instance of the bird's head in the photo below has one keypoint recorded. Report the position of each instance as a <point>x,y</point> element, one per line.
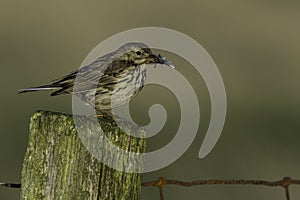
<point>139,54</point>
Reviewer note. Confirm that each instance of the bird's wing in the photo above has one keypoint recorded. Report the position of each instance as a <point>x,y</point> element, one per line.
<point>97,74</point>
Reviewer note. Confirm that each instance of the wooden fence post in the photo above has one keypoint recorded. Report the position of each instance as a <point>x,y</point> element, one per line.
<point>58,166</point>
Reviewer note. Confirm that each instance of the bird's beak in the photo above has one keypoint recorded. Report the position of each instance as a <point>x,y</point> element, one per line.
<point>162,60</point>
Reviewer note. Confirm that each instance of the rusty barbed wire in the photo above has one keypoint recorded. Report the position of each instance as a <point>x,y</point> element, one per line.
<point>285,182</point>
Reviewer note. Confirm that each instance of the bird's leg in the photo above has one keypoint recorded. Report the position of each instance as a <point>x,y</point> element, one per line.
<point>102,113</point>
<point>107,113</point>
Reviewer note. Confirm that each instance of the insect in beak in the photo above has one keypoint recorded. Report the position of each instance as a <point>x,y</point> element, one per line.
<point>164,61</point>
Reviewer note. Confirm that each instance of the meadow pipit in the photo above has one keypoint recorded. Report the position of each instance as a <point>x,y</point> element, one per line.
<point>111,80</point>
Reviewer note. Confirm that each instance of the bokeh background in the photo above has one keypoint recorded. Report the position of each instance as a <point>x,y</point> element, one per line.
<point>255,45</point>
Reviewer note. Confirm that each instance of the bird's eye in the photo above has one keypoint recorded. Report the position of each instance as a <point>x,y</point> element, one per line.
<point>138,53</point>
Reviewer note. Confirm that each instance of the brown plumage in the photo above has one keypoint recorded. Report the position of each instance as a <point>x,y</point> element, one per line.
<point>109,81</point>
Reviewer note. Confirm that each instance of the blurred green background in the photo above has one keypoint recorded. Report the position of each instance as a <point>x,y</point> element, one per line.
<point>255,45</point>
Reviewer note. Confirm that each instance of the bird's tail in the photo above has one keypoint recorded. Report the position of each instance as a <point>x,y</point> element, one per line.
<point>39,88</point>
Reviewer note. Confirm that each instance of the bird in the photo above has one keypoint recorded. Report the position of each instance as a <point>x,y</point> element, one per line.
<point>110,80</point>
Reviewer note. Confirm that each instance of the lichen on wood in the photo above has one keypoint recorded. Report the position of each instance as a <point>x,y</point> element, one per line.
<point>58,166</point>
